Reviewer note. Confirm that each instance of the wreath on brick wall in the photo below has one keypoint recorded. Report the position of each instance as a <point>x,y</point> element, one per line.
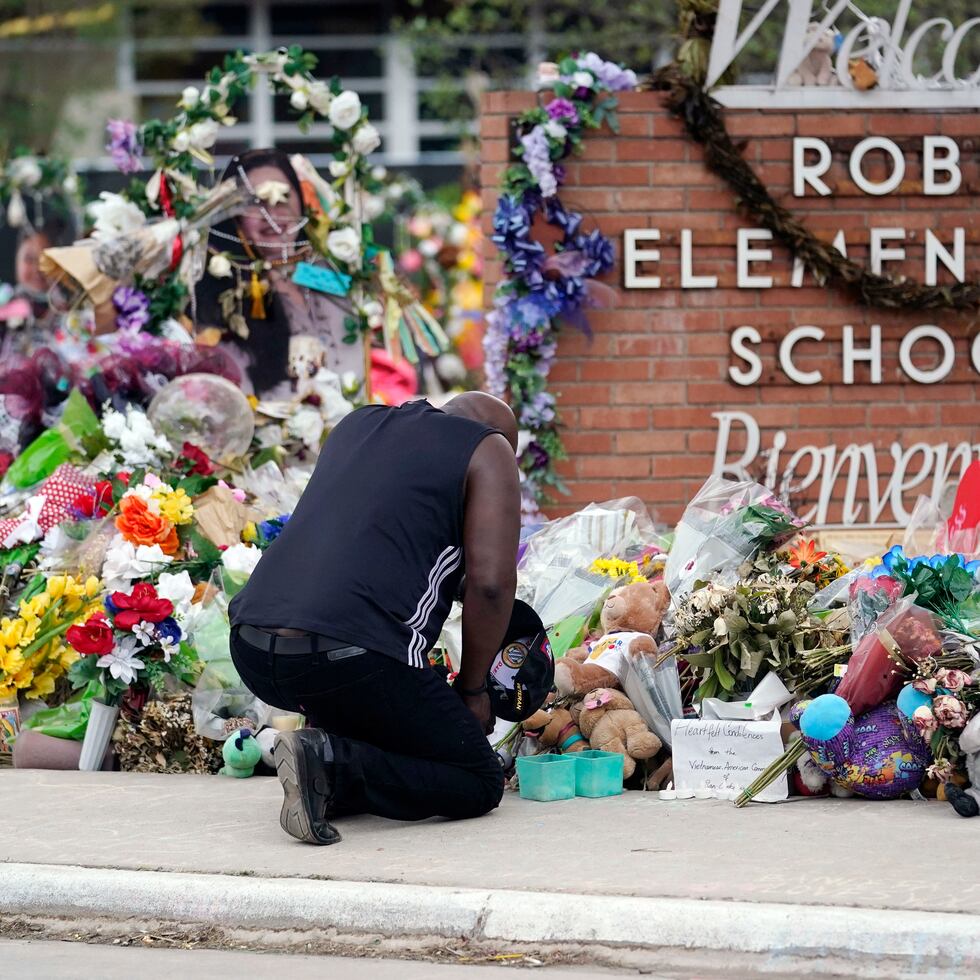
<point>544,288</point>
<point>683,83</point>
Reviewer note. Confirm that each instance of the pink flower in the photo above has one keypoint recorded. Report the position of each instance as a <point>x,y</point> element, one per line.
<point>953,680</point>
<point>950,712</point>
<point>410,261</point>
<point>927,685</point>
<point>925,721</point>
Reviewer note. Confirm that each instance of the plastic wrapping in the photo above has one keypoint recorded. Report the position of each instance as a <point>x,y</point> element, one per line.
<point>553,574</point>
<point>653,685</point>
<point>725,524</point>
<point>905,631</point>
<point>274,492</point>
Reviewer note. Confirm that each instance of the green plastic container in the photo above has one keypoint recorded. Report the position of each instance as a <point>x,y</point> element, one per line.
<point>546,777</point>
<point>598,773</point>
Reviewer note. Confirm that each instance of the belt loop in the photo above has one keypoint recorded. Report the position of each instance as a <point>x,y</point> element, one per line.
<point>272,649</point>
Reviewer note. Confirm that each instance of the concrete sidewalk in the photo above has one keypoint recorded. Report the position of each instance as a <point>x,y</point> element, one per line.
<point>810,875</point>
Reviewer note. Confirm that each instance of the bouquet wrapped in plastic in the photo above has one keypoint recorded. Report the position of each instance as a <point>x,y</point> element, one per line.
<point>725,524</point>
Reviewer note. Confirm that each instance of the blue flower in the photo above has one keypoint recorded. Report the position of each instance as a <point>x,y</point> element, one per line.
<point>892,556</point>
<point>168,630</point>
<point>271,529</point>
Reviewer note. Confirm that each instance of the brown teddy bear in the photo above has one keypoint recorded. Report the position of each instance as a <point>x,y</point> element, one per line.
<point>610,723</point>
<point>556,728</point>
<point>630,618</point>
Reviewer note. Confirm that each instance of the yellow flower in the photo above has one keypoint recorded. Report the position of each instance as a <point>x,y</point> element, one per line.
<point>175,505</point>
<point>7,691</point>
<point>11,632</point>
<point>250,533</point>
<point>253,401</point>
<point>12,662</point>
<point>67,656</point>
<point>92,587</point>
<point>56,586</point>
<point>43,685</point>
<point>466,260</point>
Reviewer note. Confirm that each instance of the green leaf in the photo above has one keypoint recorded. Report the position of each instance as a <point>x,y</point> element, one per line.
<point>207,551</point>
<point>196,483</point>
<point>721,671</point>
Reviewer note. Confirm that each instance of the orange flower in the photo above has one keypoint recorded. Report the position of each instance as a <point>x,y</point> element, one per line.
<point>805,554</point>
<point>139,525</point>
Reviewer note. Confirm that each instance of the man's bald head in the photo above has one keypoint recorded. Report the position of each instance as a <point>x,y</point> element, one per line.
<point>481,407</point>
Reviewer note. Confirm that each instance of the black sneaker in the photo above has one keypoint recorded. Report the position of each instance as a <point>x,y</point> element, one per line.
<point>306,785</point>
<point>963,803</point>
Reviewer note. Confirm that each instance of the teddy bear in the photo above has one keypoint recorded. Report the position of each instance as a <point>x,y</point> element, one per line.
<point>555,728</point>
<point>817,68</point>
<point>630,618</point>
<point>610,723</point>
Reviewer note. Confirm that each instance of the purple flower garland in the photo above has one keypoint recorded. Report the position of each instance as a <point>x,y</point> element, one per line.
<point>540,291</point>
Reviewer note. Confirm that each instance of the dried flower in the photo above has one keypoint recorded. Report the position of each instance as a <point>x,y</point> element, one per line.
<point>950,712</point>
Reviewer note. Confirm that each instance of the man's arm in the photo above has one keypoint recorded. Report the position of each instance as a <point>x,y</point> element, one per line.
<point>491,533</point>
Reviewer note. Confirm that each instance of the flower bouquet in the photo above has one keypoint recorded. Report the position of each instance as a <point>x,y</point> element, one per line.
<point>734,634</point>
<point>134,642</point>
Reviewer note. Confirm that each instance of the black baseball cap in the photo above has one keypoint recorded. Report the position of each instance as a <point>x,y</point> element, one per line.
<point>523,671</point>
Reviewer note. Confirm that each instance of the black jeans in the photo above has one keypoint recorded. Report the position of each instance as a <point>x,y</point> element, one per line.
<point>404,745</point>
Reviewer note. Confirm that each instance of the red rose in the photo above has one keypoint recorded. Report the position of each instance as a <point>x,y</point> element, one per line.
<point>94,637</point>
<point>141,605</point>
<point>96,502</point>
<point>195,455</point>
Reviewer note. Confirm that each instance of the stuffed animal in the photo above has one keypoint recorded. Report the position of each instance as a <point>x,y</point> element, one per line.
<point>817,68</point>
<point>879,755</point>
<point>241,753</point>
<point>966,802</point>
<point>610,723</point>
<point>630,618</point>
<point>556,729</point>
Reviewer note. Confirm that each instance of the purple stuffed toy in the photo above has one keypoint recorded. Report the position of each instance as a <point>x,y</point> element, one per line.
<point>880,755</point>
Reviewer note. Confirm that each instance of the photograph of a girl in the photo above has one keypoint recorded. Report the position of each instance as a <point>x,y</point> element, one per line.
<point>278,332</point>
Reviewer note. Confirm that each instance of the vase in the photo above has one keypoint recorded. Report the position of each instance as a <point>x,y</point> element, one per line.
<point>98,732</point>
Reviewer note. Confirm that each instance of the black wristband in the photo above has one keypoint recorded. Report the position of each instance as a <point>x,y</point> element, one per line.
<point>471,692</point>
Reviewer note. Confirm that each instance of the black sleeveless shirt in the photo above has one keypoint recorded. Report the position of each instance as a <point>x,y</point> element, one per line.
<point>373,553</point>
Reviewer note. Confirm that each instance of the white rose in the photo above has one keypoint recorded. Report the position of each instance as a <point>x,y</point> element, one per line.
<point>70,184</point>
<point>203,134</point>
<point>555,130</point>
<point>24,171</point>
<point>319,97</point>
<point>366,140</point>
<point>378,173</point>
<point>372,308</point>
<point>430,247</point>
<point>345,110</point>
<point>458,235</point>
<point>344,244</point>
<point>182,141</point>
<point>372,206</point>
<point>298,100</point>
<point>189,97</point>
<point>241,558</point>
<point>114,215</point>
<point>583,79</point>
<point>339,168</point>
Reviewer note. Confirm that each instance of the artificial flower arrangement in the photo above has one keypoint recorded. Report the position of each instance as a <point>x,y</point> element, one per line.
<point>134,641</point>
<point>339,210</point>
<point>540,291</point>
<point>438,247</point>
<point>33,651</point>
<point>52,179</point>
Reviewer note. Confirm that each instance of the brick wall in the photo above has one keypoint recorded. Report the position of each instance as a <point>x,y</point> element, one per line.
<point>637,400</point>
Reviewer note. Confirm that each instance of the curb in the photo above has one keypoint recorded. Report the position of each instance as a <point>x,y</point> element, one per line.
<point>484,914</point>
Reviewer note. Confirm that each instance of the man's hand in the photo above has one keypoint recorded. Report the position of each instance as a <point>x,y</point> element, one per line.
<point>479,704</point>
